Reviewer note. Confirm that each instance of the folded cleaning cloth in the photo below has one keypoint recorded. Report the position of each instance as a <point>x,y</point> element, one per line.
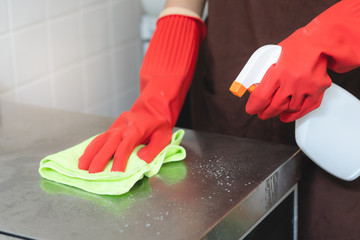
<point>62,167</point>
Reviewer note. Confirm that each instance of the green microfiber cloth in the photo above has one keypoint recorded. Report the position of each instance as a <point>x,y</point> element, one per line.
<point>170,173</point>
<point>62,167</point>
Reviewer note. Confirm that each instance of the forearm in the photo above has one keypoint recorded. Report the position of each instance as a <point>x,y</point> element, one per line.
<point>169,64</point>
<point>192,8</point>
<point>335,35</point>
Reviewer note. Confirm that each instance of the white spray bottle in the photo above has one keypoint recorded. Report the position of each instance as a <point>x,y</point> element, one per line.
<point>328,135</point>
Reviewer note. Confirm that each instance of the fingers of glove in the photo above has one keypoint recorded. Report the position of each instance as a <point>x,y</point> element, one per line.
<point>105,154</point>
<point>263,93</point>
<point>310,103</point>
<point>124,150</point>
<point>91,150</point>
<point>158,141</point>
<point>283,103</point>
<point>279,103</point>
<point>296,102</point>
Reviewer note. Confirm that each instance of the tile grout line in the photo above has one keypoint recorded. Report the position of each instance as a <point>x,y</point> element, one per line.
<point>13,55</point>
<point>50,56</point>
<point>82,61</point>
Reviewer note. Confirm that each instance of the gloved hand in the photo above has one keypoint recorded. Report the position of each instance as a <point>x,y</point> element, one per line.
<point>165,77</point>
<point>296,84</point>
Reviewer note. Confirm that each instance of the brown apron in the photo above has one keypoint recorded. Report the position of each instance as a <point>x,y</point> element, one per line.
<point>328,207</point>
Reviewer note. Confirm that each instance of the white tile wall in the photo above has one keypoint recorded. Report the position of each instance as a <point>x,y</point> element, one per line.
<point>58,7</point>
<point>96,31</point>
<point>124,62</point>
<point>31,53</point>
<point>89,2</point>
<point>26,12</point>
<point>78,55</point>
<point>6,65</point>
<point>65,41</point>
<point>125,98</point>
<point>4,20</point>
<point>69,93</point>
<point>125,14</point>
<point>97,72</point>
<point>37,92</point>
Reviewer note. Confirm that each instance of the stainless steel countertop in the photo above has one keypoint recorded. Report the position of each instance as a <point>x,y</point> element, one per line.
<point>222,188</point>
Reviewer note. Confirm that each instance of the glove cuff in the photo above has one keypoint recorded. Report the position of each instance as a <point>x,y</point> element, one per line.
<point>174,46</point>
<point>169,63</point>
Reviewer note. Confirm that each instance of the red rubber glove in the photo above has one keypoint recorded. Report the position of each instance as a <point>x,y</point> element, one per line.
<point>295,85</point>
<point>165,77</point>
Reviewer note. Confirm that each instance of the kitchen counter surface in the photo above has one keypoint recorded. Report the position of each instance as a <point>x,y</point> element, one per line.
<point>222,188</point>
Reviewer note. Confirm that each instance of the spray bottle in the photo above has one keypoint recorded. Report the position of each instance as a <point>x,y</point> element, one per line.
<point>328,135</point>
